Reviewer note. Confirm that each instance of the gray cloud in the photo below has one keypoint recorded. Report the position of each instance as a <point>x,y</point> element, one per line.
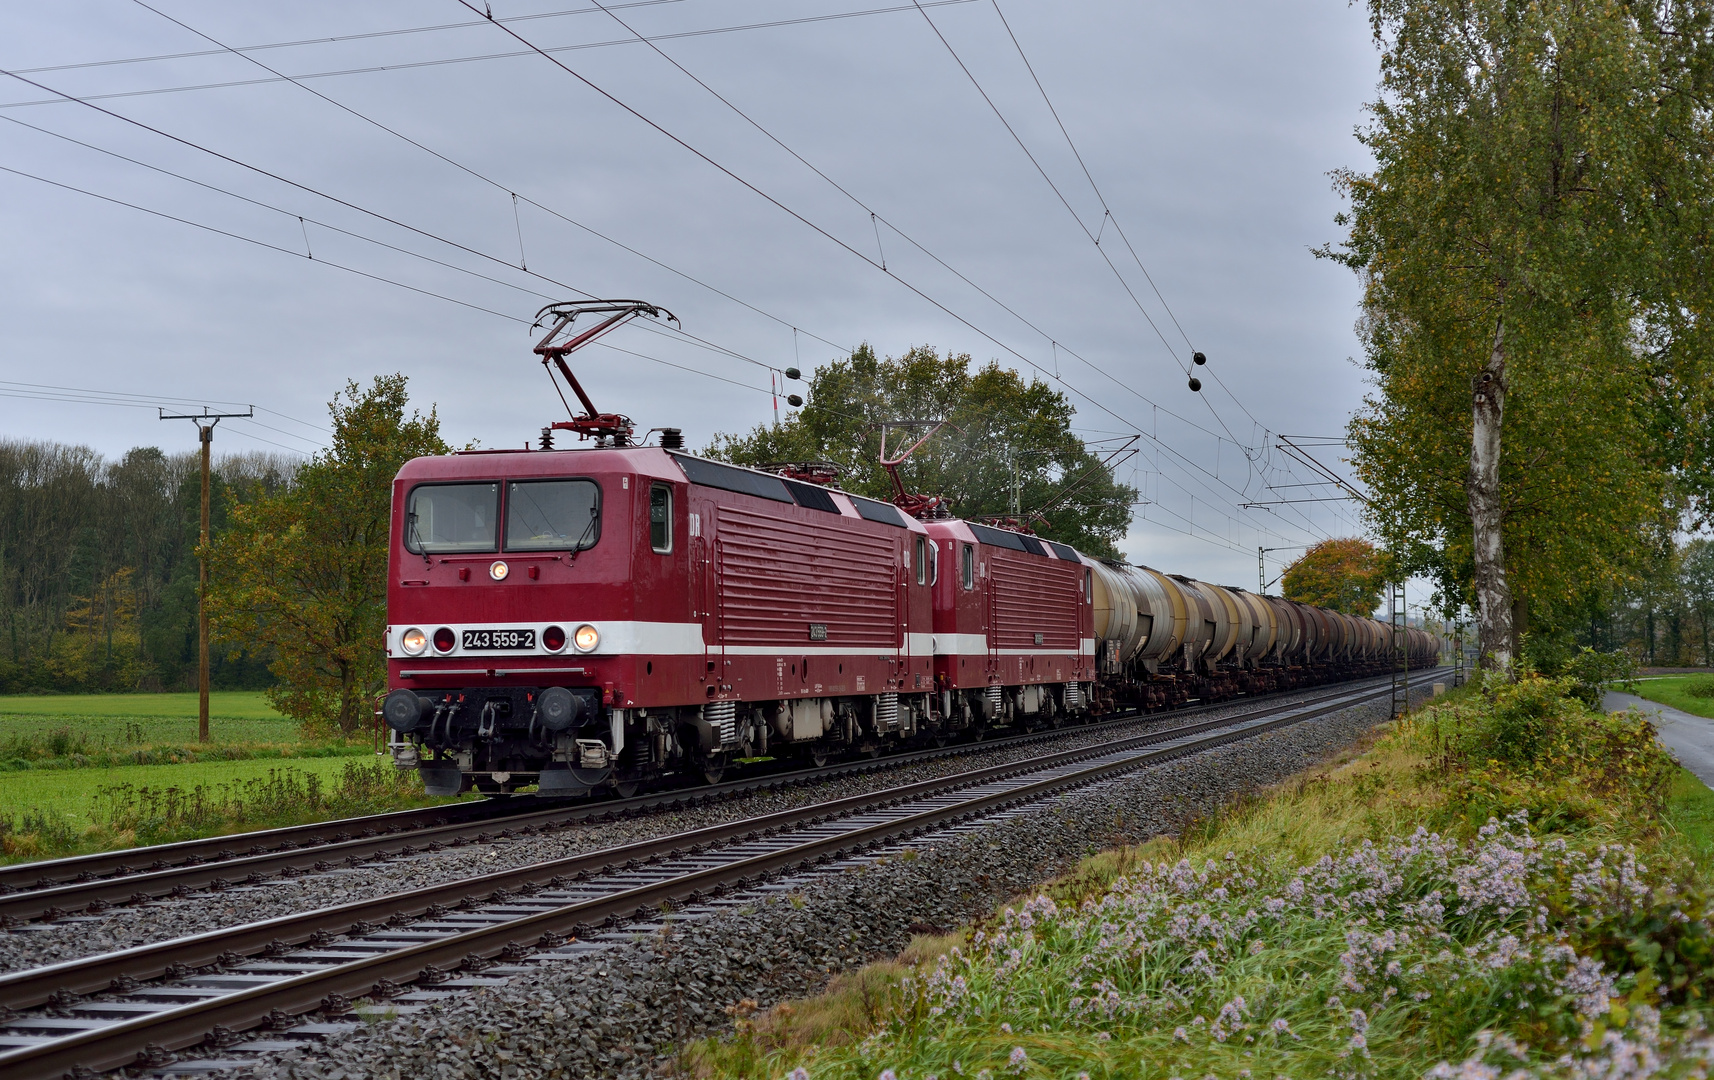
<point>1210,128</point>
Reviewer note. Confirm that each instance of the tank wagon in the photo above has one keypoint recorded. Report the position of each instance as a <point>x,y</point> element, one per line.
<point>597,619</point>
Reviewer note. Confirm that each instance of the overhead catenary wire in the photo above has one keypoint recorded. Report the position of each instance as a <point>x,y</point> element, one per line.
<point>481,254</point>
<point>1107,210</point>
<point>874,216</point>
<point>502,187</point>
<point>1093,238</point>
<point>484,178</point>
<point>881,264</point>
<point>438,62</point>
<point>360,209</point>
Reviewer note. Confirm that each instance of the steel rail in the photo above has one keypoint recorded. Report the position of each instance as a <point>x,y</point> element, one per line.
<point>91,974</point>
<point>97,893</point>
<point>119,1044</point>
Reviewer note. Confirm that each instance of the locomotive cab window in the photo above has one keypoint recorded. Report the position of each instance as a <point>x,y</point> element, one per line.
<point>552,515</point>
<point>922,561</point>
<point>967,566</point>
<point>661,518</point>
<point>445,519</point>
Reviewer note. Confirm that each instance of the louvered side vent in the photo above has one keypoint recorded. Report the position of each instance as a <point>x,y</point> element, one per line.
<point>1033,602</point>
<point>779,578</point>
<point>723,715</point>
<point>887,712</point>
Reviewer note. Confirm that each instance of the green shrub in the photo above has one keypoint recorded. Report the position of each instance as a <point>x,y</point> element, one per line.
<point>1534,745</point>
<point>1700,688</point>
<point>1591,672</point>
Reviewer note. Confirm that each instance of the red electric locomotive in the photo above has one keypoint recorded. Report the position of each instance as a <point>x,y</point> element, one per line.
<point>591,617</point>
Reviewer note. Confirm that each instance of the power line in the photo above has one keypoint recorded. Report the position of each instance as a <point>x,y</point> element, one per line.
<point>1007,124</point>
<point>875,216</point>
<point>1172,451</point>
<point>848,194</point>
<point>259,243</point>
<point>313,191</point>
<point>469,171</point>
<point>332,40</point>
<point>1107,210</point>
<point>378,69</point>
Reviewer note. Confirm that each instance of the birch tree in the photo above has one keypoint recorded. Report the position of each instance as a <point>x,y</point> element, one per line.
<point>1531,243</point>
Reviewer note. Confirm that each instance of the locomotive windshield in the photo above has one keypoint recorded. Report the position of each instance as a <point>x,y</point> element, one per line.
<point>552,515</point>
<point>449,518</point>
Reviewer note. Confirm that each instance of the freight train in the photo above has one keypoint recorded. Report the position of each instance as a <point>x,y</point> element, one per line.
<point>596,620</point>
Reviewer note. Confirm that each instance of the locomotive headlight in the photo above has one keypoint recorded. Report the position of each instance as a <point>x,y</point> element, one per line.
<point>498,571</point>
<point>413,641</point>
<point>586,638</point>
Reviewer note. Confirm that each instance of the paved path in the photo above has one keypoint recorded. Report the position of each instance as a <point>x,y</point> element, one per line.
<point>1690,737</point>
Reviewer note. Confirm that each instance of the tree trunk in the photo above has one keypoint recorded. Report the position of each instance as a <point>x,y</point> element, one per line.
<point>1487,514</point>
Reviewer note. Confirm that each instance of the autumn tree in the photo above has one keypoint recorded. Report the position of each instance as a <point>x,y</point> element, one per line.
<point>1532,243</point>
<point>303,571</point>
<point>1346,575</point>
<point>1008,442</point>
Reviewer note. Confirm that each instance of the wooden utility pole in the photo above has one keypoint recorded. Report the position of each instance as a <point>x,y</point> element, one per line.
<point>205,422</point>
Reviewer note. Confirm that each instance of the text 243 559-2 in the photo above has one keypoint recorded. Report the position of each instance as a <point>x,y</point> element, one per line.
<point>479,640</point>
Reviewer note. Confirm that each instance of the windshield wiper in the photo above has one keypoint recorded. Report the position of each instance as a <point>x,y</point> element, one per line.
<point>594,516</point>
<point>417,538</point>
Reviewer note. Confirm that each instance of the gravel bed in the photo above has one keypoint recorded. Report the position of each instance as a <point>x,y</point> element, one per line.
<point>620,1012</point>
<point>125,926</point>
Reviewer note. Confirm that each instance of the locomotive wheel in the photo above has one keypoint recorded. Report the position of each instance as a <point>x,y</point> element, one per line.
<point>818,756</point>
<point>713,768</point>
<point>627,788</point>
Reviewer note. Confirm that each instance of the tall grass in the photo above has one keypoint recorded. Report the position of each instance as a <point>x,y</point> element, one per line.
<point>1492,890</point>
<point>127,814</point>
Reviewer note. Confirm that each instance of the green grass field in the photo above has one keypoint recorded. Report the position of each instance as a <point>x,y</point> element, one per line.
<point>115,720</point>
<point>1691,815</point>
<point>1675,691</point>
<point>71,793</point>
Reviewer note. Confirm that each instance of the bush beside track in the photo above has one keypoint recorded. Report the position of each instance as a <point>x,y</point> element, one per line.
<point>1505,881</point>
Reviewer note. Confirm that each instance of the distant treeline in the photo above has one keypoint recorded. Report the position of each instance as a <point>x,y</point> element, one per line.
<point>98,569</point>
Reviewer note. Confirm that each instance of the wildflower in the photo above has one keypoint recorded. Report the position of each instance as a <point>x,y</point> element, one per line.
<point>1018,1060</point>
<point>799,1073</point>
<point>887,1074</point>
<point>1180,1035</point>
<point>1007,1028</point>
<point>1103,1036</point>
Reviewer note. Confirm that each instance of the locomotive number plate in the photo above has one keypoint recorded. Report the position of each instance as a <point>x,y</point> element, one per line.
<point>479,640</point>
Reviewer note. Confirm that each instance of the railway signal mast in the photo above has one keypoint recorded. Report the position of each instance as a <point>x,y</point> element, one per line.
<point>205,422</point>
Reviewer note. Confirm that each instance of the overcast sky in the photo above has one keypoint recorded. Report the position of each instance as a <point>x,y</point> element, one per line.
<point>1209,127</point>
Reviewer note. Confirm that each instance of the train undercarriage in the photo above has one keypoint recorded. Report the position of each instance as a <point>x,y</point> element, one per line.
<point>566,743</point>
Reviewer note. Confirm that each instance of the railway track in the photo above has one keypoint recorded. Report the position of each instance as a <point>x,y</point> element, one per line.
<point>54,888</point>
<point>266,973</point>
